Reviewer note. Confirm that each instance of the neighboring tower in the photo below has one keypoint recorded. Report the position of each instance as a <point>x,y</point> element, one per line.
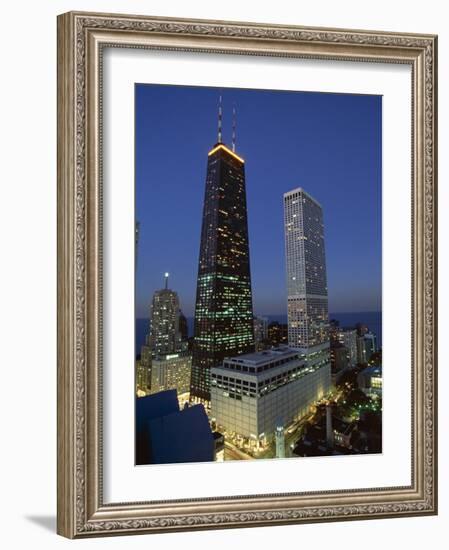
<point>370,344</point>
<point>307,305</point>
<point>183,326</point>
<point>223,312</point>
<point>165,336</point>
<point>260,332</point>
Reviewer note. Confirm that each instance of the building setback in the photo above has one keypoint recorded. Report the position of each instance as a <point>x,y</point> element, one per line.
<point>223,312</point>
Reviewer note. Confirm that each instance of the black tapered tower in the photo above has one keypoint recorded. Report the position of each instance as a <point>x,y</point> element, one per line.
<point>224,311</point>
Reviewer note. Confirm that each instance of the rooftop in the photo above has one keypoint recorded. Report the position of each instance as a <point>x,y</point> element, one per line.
<point>223,147</point>
<point>301,190</point>
<point>266,356</point>
<point>372,371</point>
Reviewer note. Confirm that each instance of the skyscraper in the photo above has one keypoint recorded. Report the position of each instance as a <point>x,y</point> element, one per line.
<point>165,362</point>
<point>183,326</point>
<point>165,336</point>
<point>307,305</point>
<point>260,332</point>
<point>223,313</point>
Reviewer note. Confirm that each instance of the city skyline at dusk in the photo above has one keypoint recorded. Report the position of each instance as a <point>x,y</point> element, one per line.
<point>328,144</point>
<point>259,388</point>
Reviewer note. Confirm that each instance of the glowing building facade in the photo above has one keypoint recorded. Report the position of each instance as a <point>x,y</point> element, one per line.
<point>171,371</point>
<point>307,304</point>
<point>256,394</point>
<point>223,313</point>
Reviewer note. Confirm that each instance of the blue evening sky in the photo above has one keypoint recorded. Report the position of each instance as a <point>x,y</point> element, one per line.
<point>329,144</point>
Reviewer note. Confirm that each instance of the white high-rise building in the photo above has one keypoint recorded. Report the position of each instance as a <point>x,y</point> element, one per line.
<point>307,305</point>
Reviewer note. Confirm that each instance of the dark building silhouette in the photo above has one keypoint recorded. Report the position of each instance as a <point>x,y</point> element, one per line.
<point>183,326</point>
<point>338,357</point>
<point>223,312</point>
<point>166,435</point>
<point>334,330</point>
<point>277,333</point>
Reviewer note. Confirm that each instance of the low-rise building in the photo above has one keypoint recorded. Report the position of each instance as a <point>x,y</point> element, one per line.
<point>260,332</point>
<point>361,349</point>
<point>171,371</point>
<point>143,377</point>
<point>370,344</point>
<point>343,432</point>
<point>348,337</point>
<point>252,393</point>
<point>339,357</point>
<point>370,381</point>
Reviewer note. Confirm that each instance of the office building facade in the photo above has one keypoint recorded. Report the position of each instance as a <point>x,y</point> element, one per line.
<point>338,357</point>
<point>254,394</point>
<point>260,332</point>
<point>223,324</point>
<point>171,371</point>
<point>307,301</point>
<point>165,335</point>
<point>348,337</point>
<point>370,344</point>
<point>361,349</point>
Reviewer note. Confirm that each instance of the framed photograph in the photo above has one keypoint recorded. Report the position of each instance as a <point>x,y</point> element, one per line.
<point>246,274</point>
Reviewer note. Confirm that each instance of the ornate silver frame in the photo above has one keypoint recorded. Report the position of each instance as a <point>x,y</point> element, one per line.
<point>81,38</point>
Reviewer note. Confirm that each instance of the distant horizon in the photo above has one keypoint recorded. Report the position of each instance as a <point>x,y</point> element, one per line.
<point>282,314</point>
<point>379,311</point>
<point>374,323</point>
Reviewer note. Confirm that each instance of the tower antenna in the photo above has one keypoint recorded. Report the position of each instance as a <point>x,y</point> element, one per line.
<point>166,275</point>
<point>234,124</point>
<point>220,117</point>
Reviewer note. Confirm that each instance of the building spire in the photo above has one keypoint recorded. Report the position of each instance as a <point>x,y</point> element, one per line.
<point>234,124</point>
<point>166,275</point>
<point>220,117</point>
